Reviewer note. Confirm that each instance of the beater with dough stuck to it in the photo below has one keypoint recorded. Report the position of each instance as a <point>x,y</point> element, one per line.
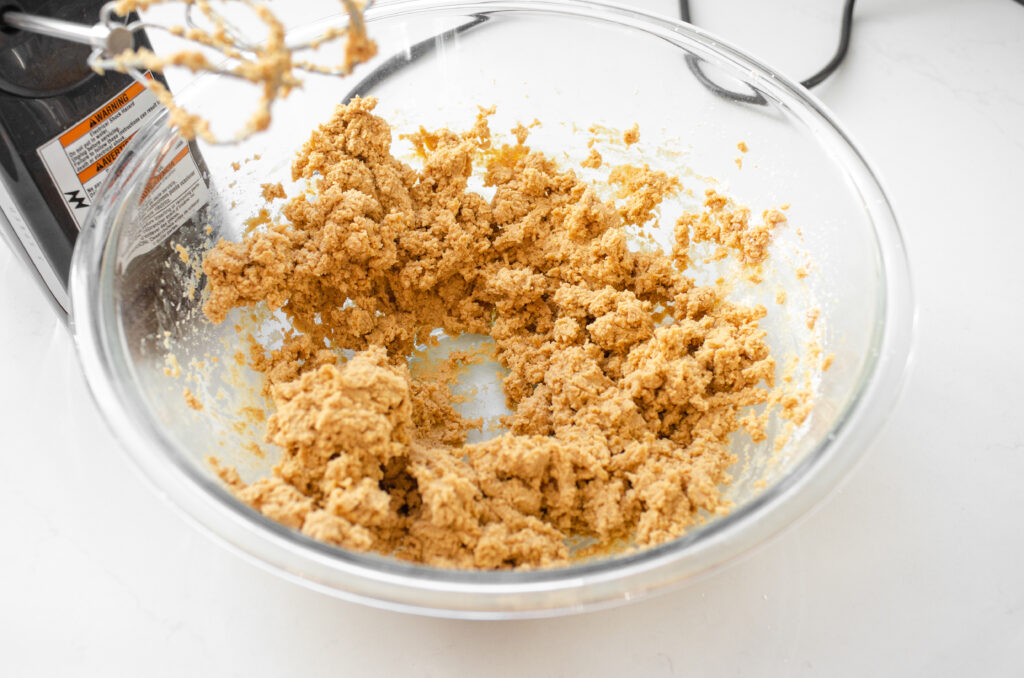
<point>266,62</point>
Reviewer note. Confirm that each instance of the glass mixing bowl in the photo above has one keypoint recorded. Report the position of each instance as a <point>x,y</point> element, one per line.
<point>136,292</point>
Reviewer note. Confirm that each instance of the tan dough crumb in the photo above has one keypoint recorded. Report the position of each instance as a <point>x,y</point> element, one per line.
<point>729,225</point>
<point>625,379</point>
<point>271,191</point>
<point>593,160</point>
<point>520,132</point>
<point>643,190</point>
<point>632,135</point>
<point>172,368</point>
<point>261,218</point>
<point>191,400</point>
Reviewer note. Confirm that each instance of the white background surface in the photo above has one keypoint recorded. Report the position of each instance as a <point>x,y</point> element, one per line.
<point>916,567</point>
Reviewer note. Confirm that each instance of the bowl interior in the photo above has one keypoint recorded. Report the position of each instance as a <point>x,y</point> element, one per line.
<point>567,69</point>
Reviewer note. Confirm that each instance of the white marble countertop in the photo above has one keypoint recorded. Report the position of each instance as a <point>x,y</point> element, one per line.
<point>915,567</point>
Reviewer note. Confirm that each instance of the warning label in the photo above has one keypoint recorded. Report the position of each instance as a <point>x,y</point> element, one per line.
<point>77,160</point>
<point>173,193</point>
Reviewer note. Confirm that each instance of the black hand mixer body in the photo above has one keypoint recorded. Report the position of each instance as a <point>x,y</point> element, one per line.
<point>61,128</point>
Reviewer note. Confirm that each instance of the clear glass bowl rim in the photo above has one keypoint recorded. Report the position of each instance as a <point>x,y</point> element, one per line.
<point>469,594</point>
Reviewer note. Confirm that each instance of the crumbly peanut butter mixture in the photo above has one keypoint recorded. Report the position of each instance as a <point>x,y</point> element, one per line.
<point>625,379</point>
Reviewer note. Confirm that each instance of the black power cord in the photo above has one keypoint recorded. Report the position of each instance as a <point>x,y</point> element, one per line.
<point>755,98</point>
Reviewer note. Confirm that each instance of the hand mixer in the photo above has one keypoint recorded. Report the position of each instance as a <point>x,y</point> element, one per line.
<point>70,101</point>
